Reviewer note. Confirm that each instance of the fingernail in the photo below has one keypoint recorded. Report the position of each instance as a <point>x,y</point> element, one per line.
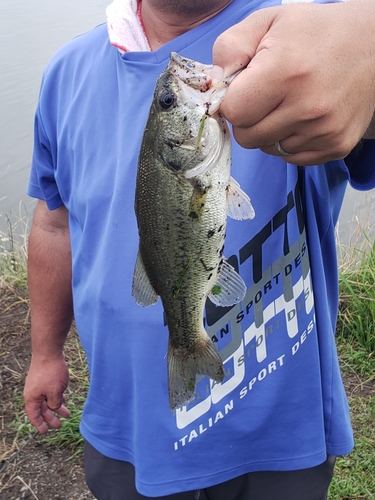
<point>217,72</point>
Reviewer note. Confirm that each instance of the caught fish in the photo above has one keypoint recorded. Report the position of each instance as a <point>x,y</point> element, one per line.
<point>184,193</point>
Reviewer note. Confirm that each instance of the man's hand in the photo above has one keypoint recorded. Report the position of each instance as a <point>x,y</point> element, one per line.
<point>44,392</point>
<point>308,82</point>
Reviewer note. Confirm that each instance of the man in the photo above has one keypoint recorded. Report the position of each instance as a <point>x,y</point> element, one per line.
<point>271,430</point>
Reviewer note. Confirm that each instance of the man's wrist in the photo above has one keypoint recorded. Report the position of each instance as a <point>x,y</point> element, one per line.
<point>46,355</point>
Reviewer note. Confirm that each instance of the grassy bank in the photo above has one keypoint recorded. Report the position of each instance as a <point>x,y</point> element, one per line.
<point>355,473</point>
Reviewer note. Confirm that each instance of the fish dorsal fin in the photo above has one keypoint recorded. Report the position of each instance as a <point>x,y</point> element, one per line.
<point>142,290</point>
<point>229,289</point>
<point>214,143</point>
<point>239,204</point>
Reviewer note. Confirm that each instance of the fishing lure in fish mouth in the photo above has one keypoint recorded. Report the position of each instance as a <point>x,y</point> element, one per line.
<point>184,193</point>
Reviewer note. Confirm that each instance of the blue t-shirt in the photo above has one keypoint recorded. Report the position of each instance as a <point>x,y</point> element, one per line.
<point>282,405</point>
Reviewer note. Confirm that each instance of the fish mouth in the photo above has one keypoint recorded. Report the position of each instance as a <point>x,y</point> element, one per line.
<point>192,73</point>
<point>196,76</point>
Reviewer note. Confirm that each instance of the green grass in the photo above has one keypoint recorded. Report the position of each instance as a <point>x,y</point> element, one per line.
<point>13,252</point>
<point>355,473</point>
<point>354,477</point>
<point>357,299</point>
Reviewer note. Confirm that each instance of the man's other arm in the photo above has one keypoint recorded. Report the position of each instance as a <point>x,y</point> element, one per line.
<point>50,291</point>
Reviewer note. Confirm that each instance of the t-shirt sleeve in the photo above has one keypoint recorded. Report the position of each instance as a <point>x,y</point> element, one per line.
<point>361,165</point>
<point>42,182</point>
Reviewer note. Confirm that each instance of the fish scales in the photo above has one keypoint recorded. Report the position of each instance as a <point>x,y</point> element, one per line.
<point>180,253</point>
<point>181,204</point>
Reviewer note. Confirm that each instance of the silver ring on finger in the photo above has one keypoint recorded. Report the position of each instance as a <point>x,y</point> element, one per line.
<point>281,150</point>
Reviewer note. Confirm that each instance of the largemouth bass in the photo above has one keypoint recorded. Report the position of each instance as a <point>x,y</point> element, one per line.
<point>184,193</point>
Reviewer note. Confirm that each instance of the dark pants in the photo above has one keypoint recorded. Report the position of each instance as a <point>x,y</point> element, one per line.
<point>110,479</point>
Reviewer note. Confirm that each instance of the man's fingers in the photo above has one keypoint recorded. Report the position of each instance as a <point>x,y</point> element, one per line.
<point>232,56</point>
<point>228,56</point>
<point>62,411</point>
<point>245,104</point>
<point>42,417</point>
<point>49,416</point>
<point>34,413</point>
<point>54,400</point>
<point>259,89</point>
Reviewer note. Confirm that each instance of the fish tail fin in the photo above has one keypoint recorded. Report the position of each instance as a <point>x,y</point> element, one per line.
<point>184,366</point>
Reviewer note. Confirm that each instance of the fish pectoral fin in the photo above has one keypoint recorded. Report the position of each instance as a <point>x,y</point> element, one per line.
<point>142,290</point>
<point>229,288</point>
<point>184,366</point>
<point>239,204</point>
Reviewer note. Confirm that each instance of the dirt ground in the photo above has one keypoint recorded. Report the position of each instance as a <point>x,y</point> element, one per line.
<point>37,471</point>
<point>29,468</point>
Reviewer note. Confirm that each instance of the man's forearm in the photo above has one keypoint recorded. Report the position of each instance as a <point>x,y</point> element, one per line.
<point>49,278</point>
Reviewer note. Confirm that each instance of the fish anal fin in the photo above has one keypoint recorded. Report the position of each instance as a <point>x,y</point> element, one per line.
<point>229,288</point>
<point>239,204</point>
<point>142,290</point>
<point>184,366</point>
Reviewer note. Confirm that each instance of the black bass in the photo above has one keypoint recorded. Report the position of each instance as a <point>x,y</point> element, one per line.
<point>184,193</point>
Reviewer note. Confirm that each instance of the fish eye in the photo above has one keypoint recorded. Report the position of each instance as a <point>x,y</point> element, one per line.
<point>167,100</point>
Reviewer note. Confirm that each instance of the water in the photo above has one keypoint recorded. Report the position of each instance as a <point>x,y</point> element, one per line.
<point>30,32</point>
<point>357,217</point>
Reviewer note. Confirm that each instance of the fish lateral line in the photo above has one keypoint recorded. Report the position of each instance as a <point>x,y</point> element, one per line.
<point>177,287</point>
